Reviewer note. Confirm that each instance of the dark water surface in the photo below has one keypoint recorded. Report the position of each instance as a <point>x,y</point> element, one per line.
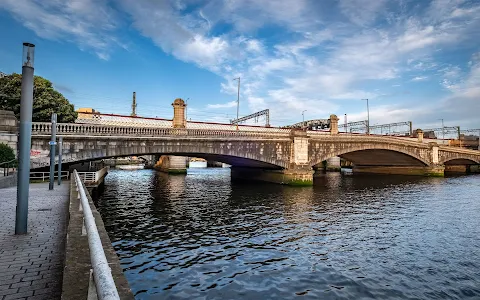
<point>202,236</point>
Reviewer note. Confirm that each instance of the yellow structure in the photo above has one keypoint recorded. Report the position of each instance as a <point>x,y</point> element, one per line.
<point>179,120</point>
<point>87,113</point>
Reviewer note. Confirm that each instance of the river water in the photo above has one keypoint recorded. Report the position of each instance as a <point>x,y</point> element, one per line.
<point>201,236</point>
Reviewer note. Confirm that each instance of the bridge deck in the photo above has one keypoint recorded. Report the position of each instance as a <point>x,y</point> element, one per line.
<point>31,265</point>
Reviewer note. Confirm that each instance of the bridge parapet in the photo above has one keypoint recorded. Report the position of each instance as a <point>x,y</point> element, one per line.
<point>367,138</point>
<point>455,154</point>
<point>40,128</point>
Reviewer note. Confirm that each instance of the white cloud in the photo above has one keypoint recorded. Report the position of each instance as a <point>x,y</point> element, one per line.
<point>362,12</point>
<point>419,78</point>
<point>317,55</point>
<point>223,105</point>
<point>355,95</point>
<point>89,23</point>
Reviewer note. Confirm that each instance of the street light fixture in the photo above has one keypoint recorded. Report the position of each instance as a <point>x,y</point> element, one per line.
<point>303,118</point>
<point>368,118</point>
<point>238,97</point>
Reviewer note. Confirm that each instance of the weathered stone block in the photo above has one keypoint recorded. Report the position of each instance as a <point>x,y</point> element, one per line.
<point>287,177</point>
<point>436,171</point>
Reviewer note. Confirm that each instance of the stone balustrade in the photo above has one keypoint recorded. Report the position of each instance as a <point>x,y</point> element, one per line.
<point>39,128</point>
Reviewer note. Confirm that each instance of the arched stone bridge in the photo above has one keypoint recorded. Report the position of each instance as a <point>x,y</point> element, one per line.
<point>271,154</point>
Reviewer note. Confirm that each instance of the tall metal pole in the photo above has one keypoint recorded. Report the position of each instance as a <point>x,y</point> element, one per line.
<point>238,97</point>
<point>303,119</point>
<point>134,105</point>
<point>346,124</point>
<point>368,117</point>
<point>60,150</point>
<point>25,139</point>
<point>52,151</point>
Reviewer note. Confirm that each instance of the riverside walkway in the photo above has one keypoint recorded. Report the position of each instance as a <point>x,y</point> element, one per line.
<point>31,265</point>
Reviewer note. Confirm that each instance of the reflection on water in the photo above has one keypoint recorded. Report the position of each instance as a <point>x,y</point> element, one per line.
<point>203,236</point>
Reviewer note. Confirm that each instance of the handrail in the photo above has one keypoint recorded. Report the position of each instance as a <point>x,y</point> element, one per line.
<point>7,162</point>
<point>93,176</point>
<point>6,168</point>
<point>105,285</point>
<point>46,175</point>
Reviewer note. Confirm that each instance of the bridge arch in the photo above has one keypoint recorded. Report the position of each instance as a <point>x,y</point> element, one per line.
<point>255,153</point>
<point>448,156</point>
<point>375,155</point>
<point>462,161</point>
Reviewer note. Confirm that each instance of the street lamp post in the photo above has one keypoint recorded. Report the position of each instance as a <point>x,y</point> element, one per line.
<point>25,139</point>
<point>238,98</point>
<point>53,143</point>
<point>60,150</point>
<point>368,118</point>
<point>346,124</point>
<point>303,118</point>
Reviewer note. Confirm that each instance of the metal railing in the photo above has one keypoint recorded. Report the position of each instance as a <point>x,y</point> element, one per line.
<point>87,176</point>
<point>92,177</point>
<point>102,274</point>
<point>46,175</point>
<point>7,166</point>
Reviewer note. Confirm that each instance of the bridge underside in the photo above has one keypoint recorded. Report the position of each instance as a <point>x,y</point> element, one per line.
<point>461,166</point>
<point>231,160</point>
<point>381,161</point>
<point>378,157</point>
<point>234,161</point>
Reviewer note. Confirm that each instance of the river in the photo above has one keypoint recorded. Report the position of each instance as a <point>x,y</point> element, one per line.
<point>201,236</point>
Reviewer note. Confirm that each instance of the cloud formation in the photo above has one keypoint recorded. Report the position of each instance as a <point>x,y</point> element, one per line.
<point>294,55</point>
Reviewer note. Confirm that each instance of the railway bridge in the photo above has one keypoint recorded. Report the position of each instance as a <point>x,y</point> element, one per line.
<point>281,155</point>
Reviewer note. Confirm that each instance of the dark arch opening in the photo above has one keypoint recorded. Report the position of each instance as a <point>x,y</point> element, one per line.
<point>380,157</point>
<point>460,161</point>
<point>234,161</point>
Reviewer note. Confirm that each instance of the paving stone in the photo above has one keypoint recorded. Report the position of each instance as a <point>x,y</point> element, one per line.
<point>8,291</point>
<point>31,265</point>
<point>33,287</point>
<point>21,284</point>
<point>21,295</point>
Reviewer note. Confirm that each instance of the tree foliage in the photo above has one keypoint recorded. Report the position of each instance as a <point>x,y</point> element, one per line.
<point>6,153</point>
<point>46,100</point>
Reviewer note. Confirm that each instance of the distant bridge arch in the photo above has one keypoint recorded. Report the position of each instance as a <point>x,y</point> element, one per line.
<point>376,151</point>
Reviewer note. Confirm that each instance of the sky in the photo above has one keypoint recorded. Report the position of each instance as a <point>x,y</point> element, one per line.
<point>415,61</point>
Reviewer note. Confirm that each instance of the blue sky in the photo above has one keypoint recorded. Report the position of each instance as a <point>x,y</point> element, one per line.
<point>414,60</point>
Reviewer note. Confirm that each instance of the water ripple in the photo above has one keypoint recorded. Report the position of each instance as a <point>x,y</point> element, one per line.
<point>203,236</point>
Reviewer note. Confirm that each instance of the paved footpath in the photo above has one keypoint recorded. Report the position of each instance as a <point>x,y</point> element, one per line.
<point>31,265</point>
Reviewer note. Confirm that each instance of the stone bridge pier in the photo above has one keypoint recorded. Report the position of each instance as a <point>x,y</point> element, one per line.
<point>298,171</point>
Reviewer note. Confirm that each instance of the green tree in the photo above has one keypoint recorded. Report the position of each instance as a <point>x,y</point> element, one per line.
<point>6,153</point>
<point>46,100</point>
